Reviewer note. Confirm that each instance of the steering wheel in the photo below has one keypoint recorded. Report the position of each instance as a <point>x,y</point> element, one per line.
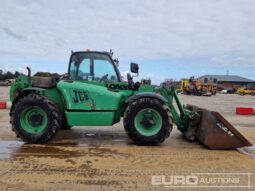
<point>104,78</point>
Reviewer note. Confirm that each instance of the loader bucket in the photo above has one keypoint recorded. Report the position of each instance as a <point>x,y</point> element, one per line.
<point>215,132</point>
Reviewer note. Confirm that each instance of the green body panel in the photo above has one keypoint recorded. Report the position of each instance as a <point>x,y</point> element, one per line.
<point>21,83</point>
<point>24,83</point>
<point>107,105</point>
<point>145,88</point>
<point>97,118</point>
<point>87,96</point>
<point>54,95</point>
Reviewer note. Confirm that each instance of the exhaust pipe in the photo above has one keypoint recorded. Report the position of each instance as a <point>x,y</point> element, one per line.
<point>29,74</point>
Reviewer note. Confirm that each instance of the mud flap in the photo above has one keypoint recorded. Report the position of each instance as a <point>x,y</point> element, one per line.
<point>215,132</point>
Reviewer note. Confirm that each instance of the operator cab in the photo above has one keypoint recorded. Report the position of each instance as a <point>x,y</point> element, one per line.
<point>93,66</point>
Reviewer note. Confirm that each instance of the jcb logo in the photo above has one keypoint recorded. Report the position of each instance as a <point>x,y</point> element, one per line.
<point>220,125</point>
<point>79,96</point>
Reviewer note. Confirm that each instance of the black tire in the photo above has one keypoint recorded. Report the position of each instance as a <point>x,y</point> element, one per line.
<point>54,118</point>
<point>144,103</point>
<point>64,125</point>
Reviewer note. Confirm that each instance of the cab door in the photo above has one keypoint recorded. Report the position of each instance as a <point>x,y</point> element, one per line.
<point>86,89</point>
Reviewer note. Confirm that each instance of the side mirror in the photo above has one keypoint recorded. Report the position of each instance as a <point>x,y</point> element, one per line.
<point>134,68</point>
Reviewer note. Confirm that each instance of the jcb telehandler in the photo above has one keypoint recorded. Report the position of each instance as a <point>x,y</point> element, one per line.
<point>93,94</point>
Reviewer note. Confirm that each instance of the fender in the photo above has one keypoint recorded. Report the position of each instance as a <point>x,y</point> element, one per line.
<point>146,95</point>
<point>27,91</point>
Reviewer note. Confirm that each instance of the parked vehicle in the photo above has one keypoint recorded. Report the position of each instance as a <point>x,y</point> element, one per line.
<point>94,95</point>
<point>246,91</point>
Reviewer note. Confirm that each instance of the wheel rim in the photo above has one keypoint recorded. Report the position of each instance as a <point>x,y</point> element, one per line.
<point>33,120</point>
<point>148,122</point>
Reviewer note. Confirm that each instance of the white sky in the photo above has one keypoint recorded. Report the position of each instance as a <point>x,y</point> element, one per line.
<point>220,32</point>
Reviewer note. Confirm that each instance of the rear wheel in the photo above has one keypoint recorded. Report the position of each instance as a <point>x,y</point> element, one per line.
<point>147,121</point>
<point>35,119</point>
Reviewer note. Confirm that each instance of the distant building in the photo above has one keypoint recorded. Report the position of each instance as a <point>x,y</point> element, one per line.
<point>229,81</point>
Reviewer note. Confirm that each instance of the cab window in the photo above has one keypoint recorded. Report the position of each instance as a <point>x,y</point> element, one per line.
<point>84,70</point>
<point>104,71</point>
<point>73,69</point>
<point>92,67</point>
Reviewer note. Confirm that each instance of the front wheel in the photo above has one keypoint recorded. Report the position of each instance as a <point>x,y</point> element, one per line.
<point>147,121</point>
<point>35,119</point>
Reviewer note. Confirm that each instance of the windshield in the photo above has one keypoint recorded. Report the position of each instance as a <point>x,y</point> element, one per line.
<point>89,66</point>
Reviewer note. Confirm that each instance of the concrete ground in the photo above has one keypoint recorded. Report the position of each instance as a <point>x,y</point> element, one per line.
<point>103,158</point>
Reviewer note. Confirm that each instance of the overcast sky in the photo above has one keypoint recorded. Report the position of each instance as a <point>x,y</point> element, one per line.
<point>168,38</point>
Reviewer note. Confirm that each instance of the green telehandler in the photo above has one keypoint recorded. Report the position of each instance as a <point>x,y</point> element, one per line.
<point>93,94</point>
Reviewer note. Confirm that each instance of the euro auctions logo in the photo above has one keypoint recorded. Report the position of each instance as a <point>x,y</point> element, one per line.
<point>206,180</point>
<point>168,181</point>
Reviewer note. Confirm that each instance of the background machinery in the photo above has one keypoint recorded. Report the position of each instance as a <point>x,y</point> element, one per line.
<point>193,86</point>
<point>92,94</point>
<point>246,91</point>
